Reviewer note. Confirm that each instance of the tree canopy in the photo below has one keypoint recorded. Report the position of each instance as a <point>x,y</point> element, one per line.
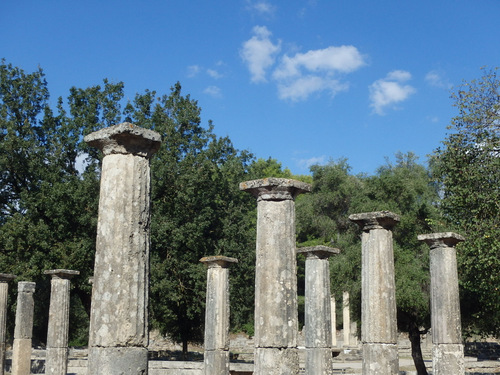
<point>468,167</point>
<point>49,190</point>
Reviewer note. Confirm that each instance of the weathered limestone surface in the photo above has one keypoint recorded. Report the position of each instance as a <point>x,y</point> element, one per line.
<point>448,359</point>
<point>333,309</point>
<point>4,292</point>
<point>276,320</point>
<point>276,361</point>
<point>21,350</point>
<point>378,293</point>
<point>380,359</point>
<point>448,351</point>
<point>118,360</point>
<point>216,362</point>
<point>318,324</point>
<point>216,356</point>
<point>119,315</point>
<point>56,362</point>
<point>346,316</point>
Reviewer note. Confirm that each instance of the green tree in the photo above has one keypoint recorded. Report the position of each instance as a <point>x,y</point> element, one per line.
<point>322,219</point>
<point>48,203</point>
<point>405,188</point>
<point>468,167</point>
<point>197,210</point>
<point>48,208</point>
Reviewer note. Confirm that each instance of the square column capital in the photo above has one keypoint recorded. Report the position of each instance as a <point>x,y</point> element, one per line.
<point>218,261</point>
<point>445,239</point>
<point>5,277</point>
<point>273,188</point>
<point>375,220</point>
<point>318,252</point>
<point>125,138</point>
<point>61,273</point>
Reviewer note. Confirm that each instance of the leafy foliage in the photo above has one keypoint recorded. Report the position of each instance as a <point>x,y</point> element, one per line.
<point>404,188</point>
<point>48,201</point>
<point>468,167</point>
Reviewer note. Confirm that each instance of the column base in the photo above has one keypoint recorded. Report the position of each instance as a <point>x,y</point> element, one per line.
<point>448,359</point>
<point>118,360</point>
<point>21,356</point>
<point>56,361</point>
<point>380,359</point>
<point>216,362</point>
<point>319,361</point>
<point>276,361</point>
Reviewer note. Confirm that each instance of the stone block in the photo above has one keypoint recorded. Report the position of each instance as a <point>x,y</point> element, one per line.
<point>118,360</point>
<point>448,359</point>
<point>276,361</point>
<point>216,362</point>
<point>56,362</point>
<point>319,361</point>
<point>380,359</point>
<point>21,357</point>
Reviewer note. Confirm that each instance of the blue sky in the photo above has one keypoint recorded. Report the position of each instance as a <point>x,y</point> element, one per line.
<point>300,81</point>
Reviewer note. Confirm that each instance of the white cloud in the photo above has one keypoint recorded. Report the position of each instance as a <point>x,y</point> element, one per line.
<point>306,163</point>
<point>259,53</point>
<point>213,91</point>
<point>304,74</point>
<point>193,70</point>
<point>262,7</point>
<point>343,59</point>
<point>390,90</point>
<point>299,76</point>
<point>214,73</point>
<point>436,79</point>
<point>302,87</point>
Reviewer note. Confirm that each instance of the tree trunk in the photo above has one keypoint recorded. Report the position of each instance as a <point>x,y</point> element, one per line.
<point>184,348</point>
<point>416,350</point>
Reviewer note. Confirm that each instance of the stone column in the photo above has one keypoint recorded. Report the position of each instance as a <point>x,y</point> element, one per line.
<point>4,293</point>
<point>118,336</point>
<point>318,312</point>
<point>378,293</point>
<point>21,351</point>
<point>216,356</point>
<point>56,362</point>
<point>276,319</point>
<point>448,349</point>
<point>333,309</point>
<point>346,319</point>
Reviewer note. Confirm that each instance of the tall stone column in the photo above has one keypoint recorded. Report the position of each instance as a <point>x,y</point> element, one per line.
<point>276,319</point>
<point>346,319</point>
<point>318,312</point>
<point>333,309</point>
<point>56,362</point>
<point>216,354</point>
<point>21,351</point>
<point>4,293</point>
<point>378,293</point>
<point>118,337</point>
<point>448,349</point>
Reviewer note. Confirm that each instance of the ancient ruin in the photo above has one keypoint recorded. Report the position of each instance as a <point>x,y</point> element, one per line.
<point>216,355</point>
<point>276,319</point>
<point>448,349</point>
<point>21,350</point>
<point>56,362</point>
<point>378,290</point>
<point>4,289</point>
<point>318,314</point>
<point>119,317</point>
